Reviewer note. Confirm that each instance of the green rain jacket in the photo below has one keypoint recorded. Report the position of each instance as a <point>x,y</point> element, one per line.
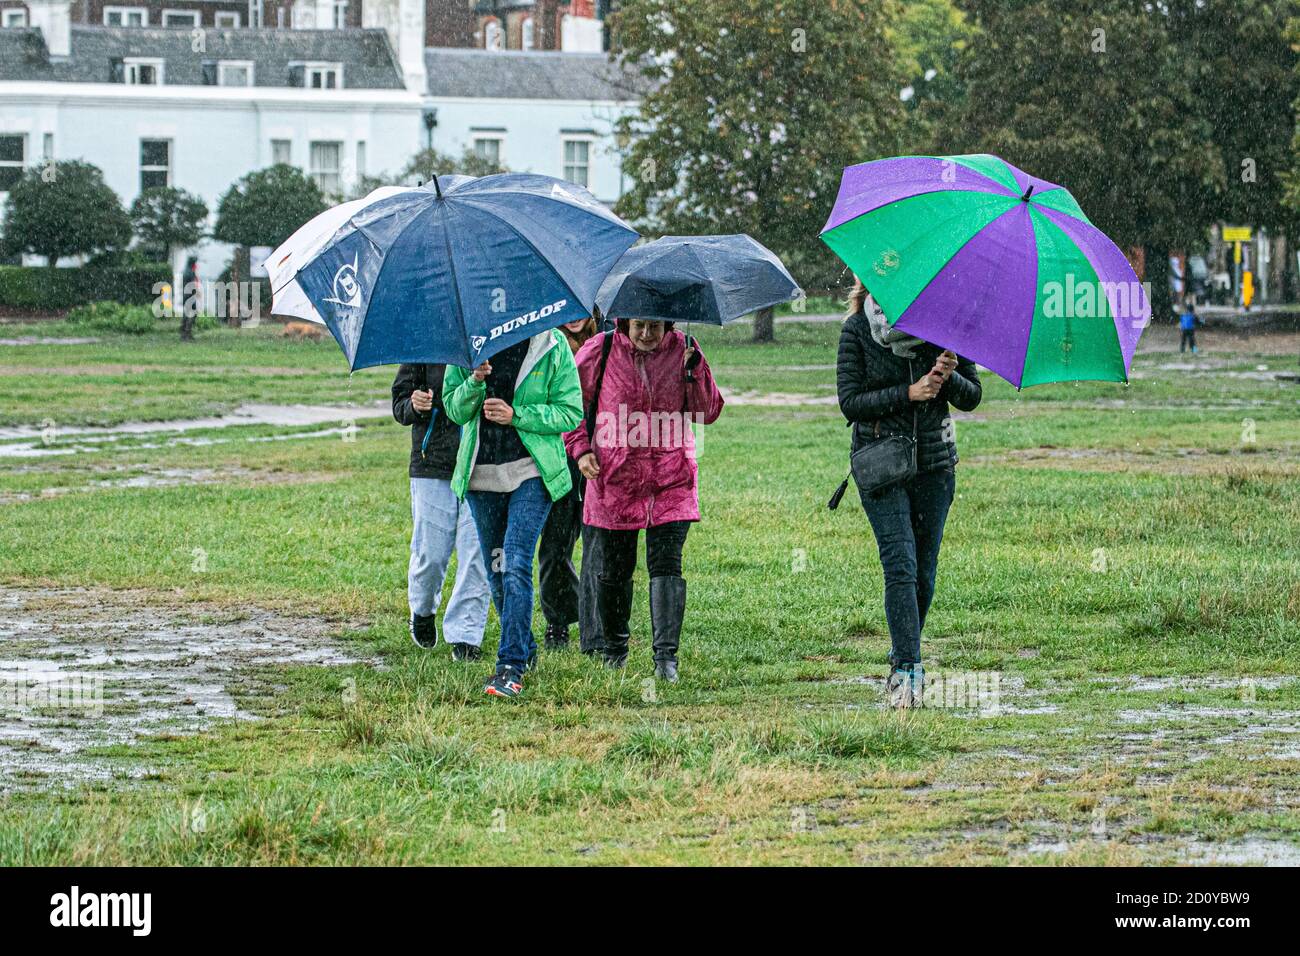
<point>547,403</point>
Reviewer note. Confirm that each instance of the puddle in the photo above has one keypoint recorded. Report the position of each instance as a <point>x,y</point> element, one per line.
<point>46,340</point>
<point>154,477</point>
<point>1254,851</point>
<point>754,397</point>
<point>29,441</point>
<point>85,668</point>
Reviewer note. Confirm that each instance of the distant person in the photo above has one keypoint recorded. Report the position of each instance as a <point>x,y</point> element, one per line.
<point>1188,322</point>
<point>890,383</point>
<point>564,598</point>
<point>441,523</point>
<point>510,467</point>
<point>191,297</point>
<point>645,373</point>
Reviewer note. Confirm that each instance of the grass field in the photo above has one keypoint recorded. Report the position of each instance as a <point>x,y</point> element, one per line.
<point>1124,562</point>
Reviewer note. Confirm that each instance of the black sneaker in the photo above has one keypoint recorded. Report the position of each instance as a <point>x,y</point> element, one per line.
<point>466,652</point>
<point>424,630</point>
<point>557,637</point>
<point>505,684</point>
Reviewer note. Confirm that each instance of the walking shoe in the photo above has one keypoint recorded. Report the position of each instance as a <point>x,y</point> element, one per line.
<point>505,684</point>
<point>466,652</point>
<point>905,689</point>
<point>666,670</point>
<point>424,630</point>
<point>557,637</point>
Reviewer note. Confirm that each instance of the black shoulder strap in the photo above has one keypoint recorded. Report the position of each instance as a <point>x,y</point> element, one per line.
<point>600,380</point>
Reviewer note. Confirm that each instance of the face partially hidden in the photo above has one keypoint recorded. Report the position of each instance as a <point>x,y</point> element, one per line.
<point>575,326</point>
<point>646,334</point>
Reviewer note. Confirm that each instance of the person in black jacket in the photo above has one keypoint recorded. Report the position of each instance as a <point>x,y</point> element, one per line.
<point>890,383</point>
<point>442,523</point>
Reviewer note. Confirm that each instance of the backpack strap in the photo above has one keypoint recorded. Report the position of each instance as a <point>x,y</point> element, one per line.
<point>606,345</point>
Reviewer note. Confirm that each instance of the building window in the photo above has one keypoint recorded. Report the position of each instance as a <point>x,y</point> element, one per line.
<point>235,73</point>
<point>155,163</point>
<point>142,72</point>
<point>340,14</point>
<point>317,76</point>
<point>48,146</point>
<point>255,13</point>
<point>126,17</point>
<point>282,151</point>
<point>361,158</point>
<point>180,18</point>
<point>492,38</point>
<point>325,162</point>
<point>527,37</point>
<point>13,152</point>
<point>577,161</point>
<point>14,17</point>
<point>227,20</point>
<point>489,148</point>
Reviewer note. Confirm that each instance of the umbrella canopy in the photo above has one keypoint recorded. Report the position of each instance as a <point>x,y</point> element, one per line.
<point>451,272</point>
<point>711,279</point>
<point>977,256</point>
<point>282,265</point>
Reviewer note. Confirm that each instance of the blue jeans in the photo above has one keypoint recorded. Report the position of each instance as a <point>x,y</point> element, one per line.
<point>508,528</point>
<point>908,521</point>
<point>442,524</point>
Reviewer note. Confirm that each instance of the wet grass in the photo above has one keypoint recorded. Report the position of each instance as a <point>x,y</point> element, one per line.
<point>1066,576</point>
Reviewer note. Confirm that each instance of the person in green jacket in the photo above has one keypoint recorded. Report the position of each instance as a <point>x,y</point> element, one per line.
<point>510,466</point>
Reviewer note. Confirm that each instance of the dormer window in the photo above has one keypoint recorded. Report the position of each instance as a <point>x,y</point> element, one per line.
<point>14,17</point>
<point>317,76</point>
<point>141,72</point>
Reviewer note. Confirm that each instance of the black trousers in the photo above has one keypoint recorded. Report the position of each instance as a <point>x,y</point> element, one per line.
<point>560,599</point>
<point>1188,338</point>
<point>663,547</point>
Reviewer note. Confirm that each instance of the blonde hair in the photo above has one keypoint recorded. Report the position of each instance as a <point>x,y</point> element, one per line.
<point>857,298</point>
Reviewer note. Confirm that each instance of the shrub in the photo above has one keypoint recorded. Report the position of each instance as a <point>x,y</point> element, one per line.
<point>114,317</point>
<point>43,289</point>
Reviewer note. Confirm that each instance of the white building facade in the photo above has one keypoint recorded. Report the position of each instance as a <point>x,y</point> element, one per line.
<point>198,109</point>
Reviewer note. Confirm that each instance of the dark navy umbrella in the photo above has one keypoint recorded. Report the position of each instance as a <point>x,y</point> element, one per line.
<point>711,279</point>
<point>457,270</point>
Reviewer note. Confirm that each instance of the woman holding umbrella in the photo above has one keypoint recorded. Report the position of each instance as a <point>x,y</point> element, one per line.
<point>510,467</point>
<point>891,383</point>
<point>643,383</point>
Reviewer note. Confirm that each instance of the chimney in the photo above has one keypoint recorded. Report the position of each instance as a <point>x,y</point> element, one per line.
<point>404,21</point>
<point>53,18</point>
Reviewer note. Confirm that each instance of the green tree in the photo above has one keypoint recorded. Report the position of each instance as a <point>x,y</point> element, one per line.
<point>1144,111</point>
<point>166,218</point>
<point>266,206</point>
<point>64,209</point>
<point>753,110</point>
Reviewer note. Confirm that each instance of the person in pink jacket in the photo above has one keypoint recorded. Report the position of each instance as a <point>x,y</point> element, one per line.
<point>642,387</point>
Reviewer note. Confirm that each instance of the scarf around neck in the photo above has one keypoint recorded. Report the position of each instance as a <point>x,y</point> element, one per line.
<point>902,344</point>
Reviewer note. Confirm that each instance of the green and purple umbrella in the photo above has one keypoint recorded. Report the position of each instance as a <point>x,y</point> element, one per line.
<point>974,255</point>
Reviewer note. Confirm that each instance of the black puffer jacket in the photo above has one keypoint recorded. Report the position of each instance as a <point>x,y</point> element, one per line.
<point>439,456</point>
<point>873,382</point>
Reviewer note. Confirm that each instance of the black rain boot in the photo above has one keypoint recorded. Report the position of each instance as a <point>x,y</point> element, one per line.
<point>667,609</point>
<point>424,630</point>
<point>557,637</point>
<point>614,600</point>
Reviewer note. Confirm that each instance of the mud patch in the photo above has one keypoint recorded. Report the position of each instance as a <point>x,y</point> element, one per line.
<point>86,668</point>
<point>47,340</point>
<point>150,476</point>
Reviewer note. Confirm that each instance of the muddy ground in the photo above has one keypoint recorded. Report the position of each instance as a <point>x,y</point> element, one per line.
<point>82,669</point>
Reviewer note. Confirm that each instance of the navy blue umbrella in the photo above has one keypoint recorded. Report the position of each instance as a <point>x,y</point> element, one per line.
<point>711,279</point>
<point>457,270</point>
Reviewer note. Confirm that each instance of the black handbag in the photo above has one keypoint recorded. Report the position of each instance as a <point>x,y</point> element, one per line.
<point>884,461</point>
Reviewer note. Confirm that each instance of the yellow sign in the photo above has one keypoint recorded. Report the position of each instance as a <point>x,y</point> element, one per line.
<point>1247,289</point>
<point>1236,233</point>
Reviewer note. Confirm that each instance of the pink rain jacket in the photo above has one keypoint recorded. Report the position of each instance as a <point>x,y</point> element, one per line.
<point>642,441</point>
